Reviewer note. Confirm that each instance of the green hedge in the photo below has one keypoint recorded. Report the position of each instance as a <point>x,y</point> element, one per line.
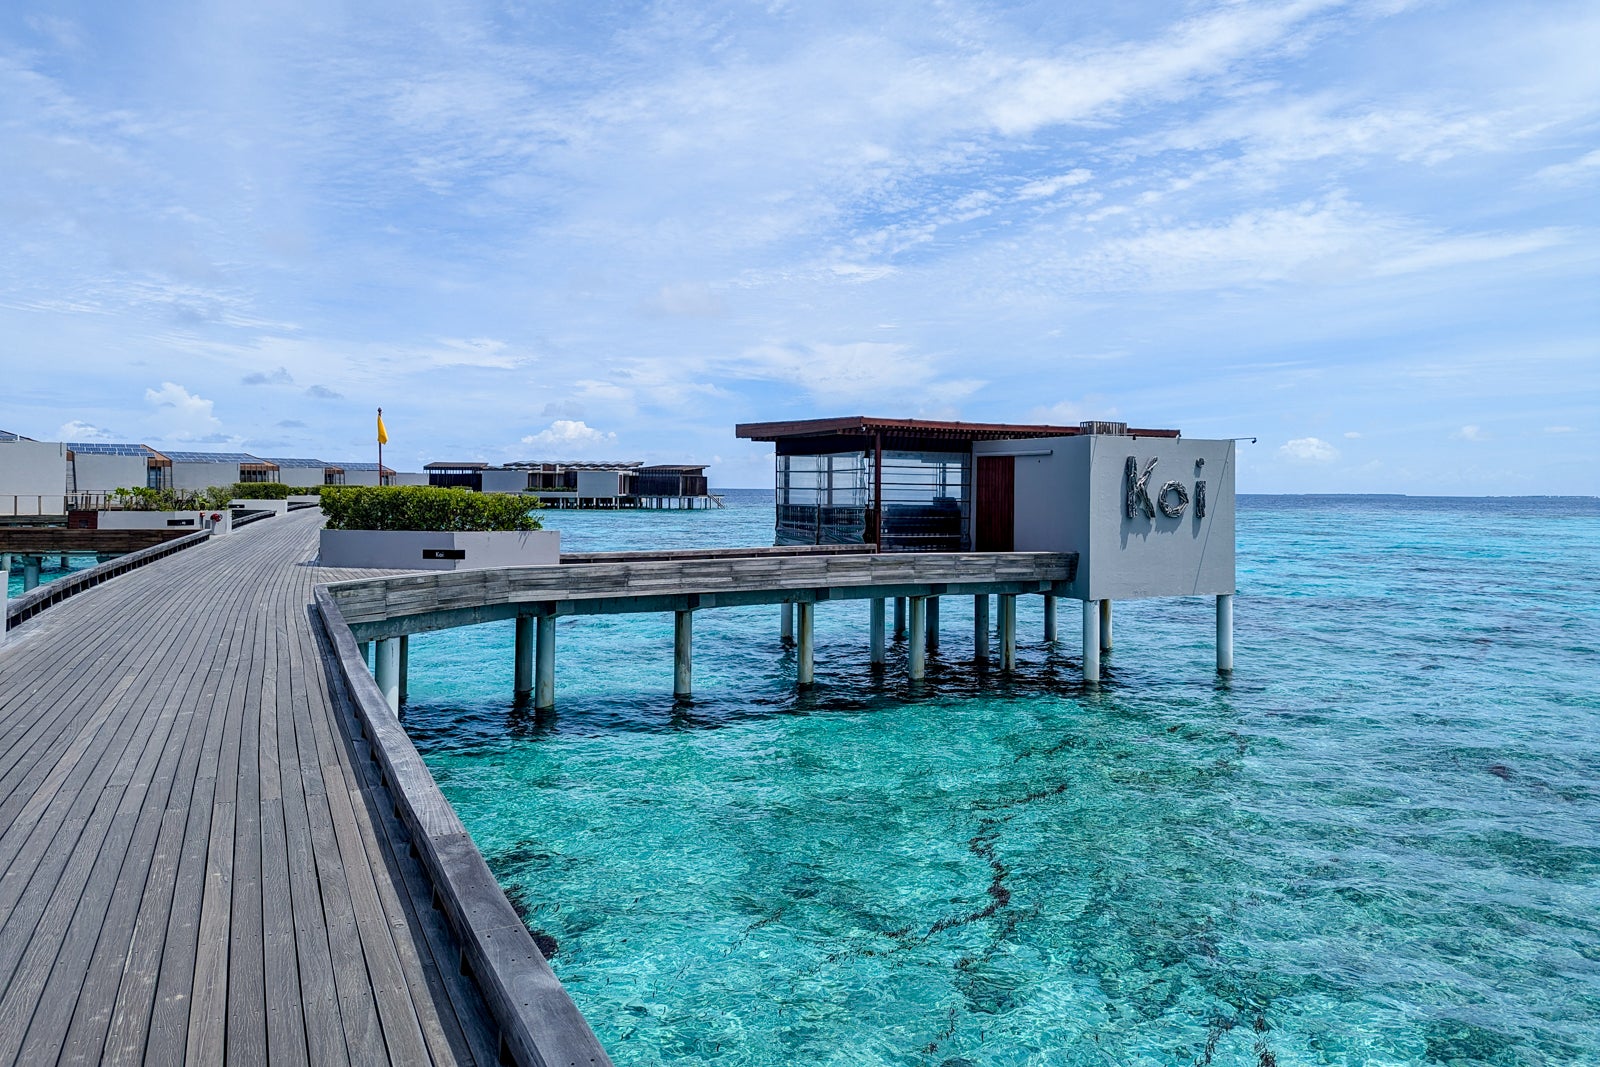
<point>272,490</point>
<point>424,507</point>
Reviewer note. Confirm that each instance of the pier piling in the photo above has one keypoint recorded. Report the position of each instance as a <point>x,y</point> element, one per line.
<point>918,651</point>
<point>1091,641</point>
<point>405,668</point>
<point>875,624</point>
<point>683,655</point>
<point>805,673</point>
<point>899,618</point>
<point>1008,632</point>
<point>1225,633</point>
<point>786,623</point>
<point>980,628</point>
<point>544,673</point>
<point>933,624</point>
<point>1105,626</point>
<point>1049,619</point>
<point>31,565</point>
<point>387,672</point>
<point>522,688</point>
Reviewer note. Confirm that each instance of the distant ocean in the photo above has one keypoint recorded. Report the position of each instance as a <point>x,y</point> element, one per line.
<point>1378,844</point>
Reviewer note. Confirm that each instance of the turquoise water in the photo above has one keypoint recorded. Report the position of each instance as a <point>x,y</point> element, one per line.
<point>51,570</point>
<point>1380,844</point>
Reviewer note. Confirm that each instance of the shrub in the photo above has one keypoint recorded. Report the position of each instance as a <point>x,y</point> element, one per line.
<point>424,507</point>
<point>271,490</point>
<point>143,498</point>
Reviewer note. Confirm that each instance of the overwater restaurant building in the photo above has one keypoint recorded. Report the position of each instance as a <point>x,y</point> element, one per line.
<point>907,485</point>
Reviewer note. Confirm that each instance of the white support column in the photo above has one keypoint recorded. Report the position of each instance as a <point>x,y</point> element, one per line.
<point>1049,619</point>
<point>933,624</point>
<point>405,668</point>
<point>66,563</point>
<point>875,616</point>
<point>786,623</point>
<point>980,627</point>
<point>544,673</point>
<point>31,565</point>
<point>1224,633</point>
<point>1008,632</point>
<point>683,656</point>
<point>917,658</point>
<point>899,618</point>
<point>522,688</point>
<point>1091,641</point>
<point>805,666</point>
<point>387,672</point>
<point>1105,625</point>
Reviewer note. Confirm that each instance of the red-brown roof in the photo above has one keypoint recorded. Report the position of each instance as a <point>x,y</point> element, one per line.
<point>959,431</point>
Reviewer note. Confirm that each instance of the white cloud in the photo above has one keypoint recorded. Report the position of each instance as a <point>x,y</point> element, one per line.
<point>1558,429</point>
<point>190,415</point>
<point>1309,450</point>
<point>82,431</point>
<point>1575,172</point>
<point>1072,412</point>
<point>1473,248</point>
<point>854,372</point>
<point>473,352</point>
<point>687,300</point>
<point>1353,435</point>
<point>1047,187</point>
<point>1470,433</point>
<point>1080,87</point>
<point>569,433</point>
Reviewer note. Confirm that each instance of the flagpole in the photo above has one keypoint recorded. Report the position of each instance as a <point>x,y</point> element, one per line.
<point>380,448</point>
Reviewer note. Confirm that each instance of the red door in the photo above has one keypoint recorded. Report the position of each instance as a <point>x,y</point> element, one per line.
<point>997,503</point>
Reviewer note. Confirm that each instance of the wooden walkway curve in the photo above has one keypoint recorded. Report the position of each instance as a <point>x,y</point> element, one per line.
<point>197,860</point>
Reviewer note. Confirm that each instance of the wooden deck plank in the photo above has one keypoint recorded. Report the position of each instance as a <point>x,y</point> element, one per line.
<point>154,844</point>
<point>193,867</point>
<point>59,950</point>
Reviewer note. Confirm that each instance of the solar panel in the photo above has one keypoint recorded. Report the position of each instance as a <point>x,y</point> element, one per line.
<point>105,448</point>
<point>359,466</point>
<point>211,457</point>
<point>297,462</point>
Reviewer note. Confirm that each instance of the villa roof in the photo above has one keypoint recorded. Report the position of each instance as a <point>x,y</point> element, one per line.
<point>864,426</point>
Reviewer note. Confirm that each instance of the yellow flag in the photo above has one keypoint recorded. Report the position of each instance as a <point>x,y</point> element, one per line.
<point>383,434</point>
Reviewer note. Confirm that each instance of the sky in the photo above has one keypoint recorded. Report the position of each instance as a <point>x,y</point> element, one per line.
<point>1365,234</point>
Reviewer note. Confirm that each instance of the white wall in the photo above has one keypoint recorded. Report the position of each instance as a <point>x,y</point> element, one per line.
<point>30,470</point>
<point>598,483</point>
<point>1073,498</point>
<point>203,475</point>
<point>505,481</point>
<point>98,473</point>
<point>302,475</point>
<point>180,521</point>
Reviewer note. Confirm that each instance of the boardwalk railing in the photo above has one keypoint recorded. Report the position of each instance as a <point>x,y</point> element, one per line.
<point>539,1024</point>
<point>31,603</point>
<point>377,608</point>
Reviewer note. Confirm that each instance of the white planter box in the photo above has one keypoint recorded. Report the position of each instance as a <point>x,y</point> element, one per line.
<point>280,507</point>
<point>184,521</point>
<point>416,550</point>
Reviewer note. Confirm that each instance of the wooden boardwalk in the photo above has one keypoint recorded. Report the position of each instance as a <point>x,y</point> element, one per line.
<point>197,860</point>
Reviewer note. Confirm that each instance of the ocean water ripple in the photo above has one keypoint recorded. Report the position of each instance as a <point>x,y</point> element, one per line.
<point>1378,844</point>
